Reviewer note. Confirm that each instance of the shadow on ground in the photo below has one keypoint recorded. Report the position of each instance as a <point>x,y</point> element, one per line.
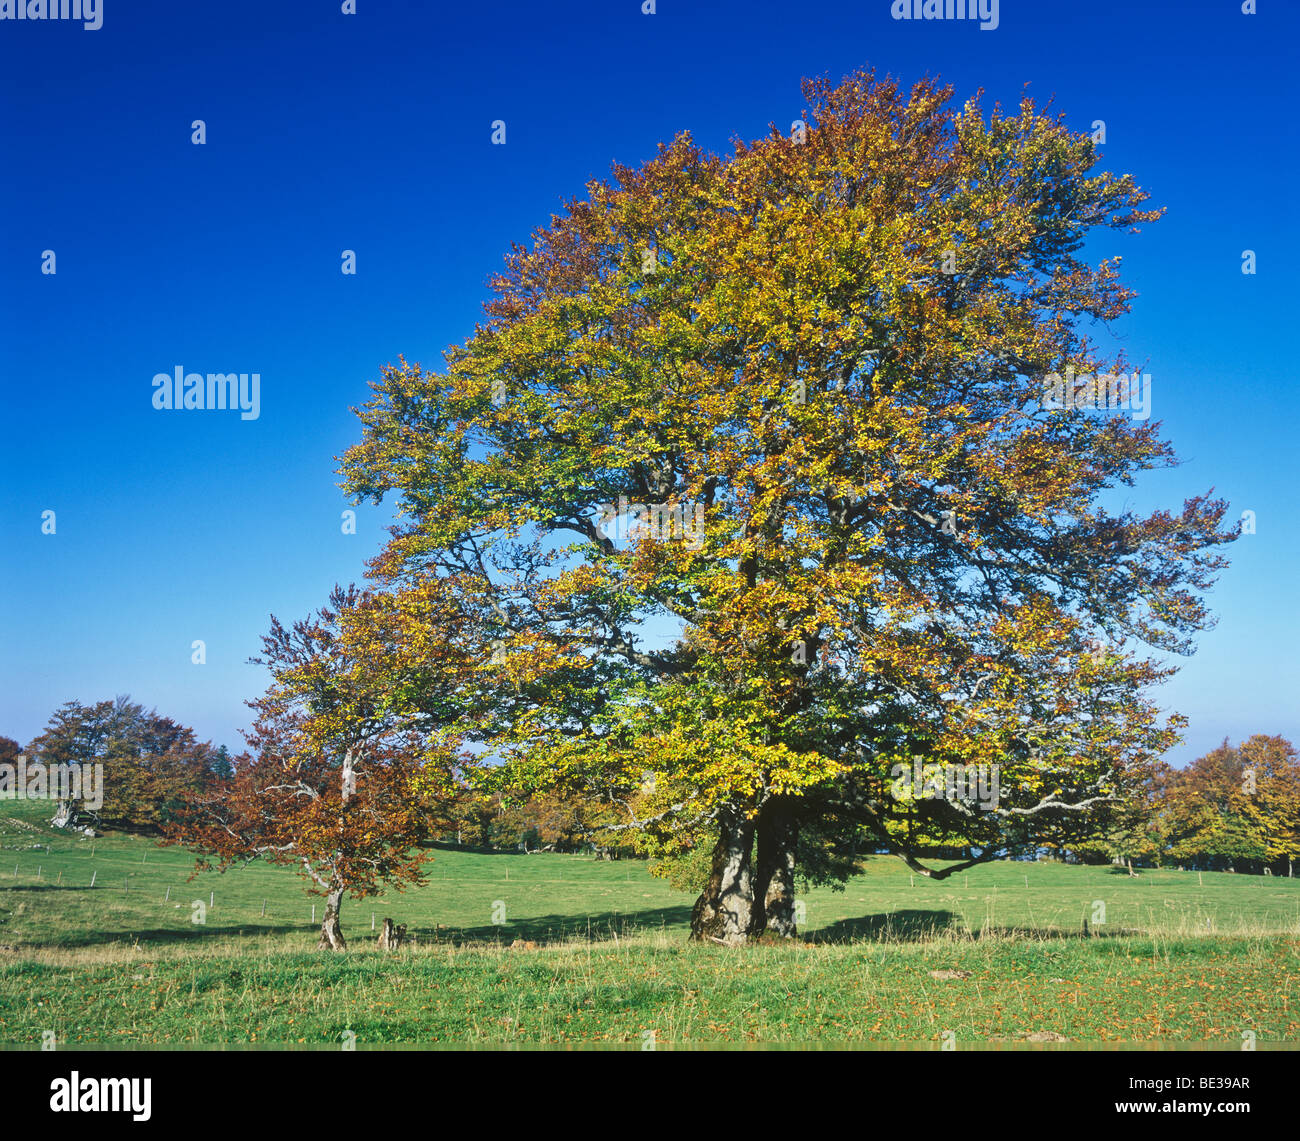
<point>599,927</point>
<point>889,927</point>
<point>44,887</point>
<point>156,936</point>
<point>921,926</point>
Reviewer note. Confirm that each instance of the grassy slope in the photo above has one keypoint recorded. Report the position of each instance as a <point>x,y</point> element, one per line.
<point>1179,957</point>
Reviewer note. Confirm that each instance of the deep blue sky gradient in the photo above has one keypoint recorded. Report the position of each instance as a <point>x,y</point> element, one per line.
<point>371,132</point>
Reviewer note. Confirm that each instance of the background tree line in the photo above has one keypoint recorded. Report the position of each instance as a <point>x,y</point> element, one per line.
<point>150,763</point>
<point>1235,809</point>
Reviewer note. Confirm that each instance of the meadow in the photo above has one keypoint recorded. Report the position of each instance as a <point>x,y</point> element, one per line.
<point>109,942</point>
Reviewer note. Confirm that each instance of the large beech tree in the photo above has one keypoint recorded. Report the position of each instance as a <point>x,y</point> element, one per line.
<point>353,764</point>
<point>810,375</point>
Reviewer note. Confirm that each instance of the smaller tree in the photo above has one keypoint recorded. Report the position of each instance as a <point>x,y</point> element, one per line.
<point>473,818</point>
<point>350,771</point>
<point>1130,831</point>
<point>552,820</point>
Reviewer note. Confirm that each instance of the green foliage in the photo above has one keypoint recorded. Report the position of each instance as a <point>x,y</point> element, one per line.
<point>687,870</point>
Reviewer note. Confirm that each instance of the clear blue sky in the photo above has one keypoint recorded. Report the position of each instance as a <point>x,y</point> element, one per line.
<point>371,132</point>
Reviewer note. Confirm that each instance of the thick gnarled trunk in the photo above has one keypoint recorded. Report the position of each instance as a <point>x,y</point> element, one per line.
<point>774,890</point>
<point>331,932</point>
<point>725,912</point>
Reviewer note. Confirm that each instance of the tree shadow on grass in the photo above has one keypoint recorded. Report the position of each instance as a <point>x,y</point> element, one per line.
<point>469,849</point>
<point>162,936</point>
<point>599,927</point>
<point>44,887</point>
<point>908,926</point>
<point>917,926</point>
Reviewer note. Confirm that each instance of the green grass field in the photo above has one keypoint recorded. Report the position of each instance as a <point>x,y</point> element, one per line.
<point>1178,958</point>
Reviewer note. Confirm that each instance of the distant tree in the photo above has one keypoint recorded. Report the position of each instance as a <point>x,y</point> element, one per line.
<point>473,818</point>
<point>9,751</point>
<point>562,823</point>
<point>222,768</point>
<point>149,762</point>
<point>1271,776</point>
<point>1216,813</point>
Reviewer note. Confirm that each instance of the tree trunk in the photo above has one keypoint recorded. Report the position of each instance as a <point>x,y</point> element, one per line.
<point>725,912</point>
<point>774,903</point>
<point>331,933</point>
<point>65,815</point>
